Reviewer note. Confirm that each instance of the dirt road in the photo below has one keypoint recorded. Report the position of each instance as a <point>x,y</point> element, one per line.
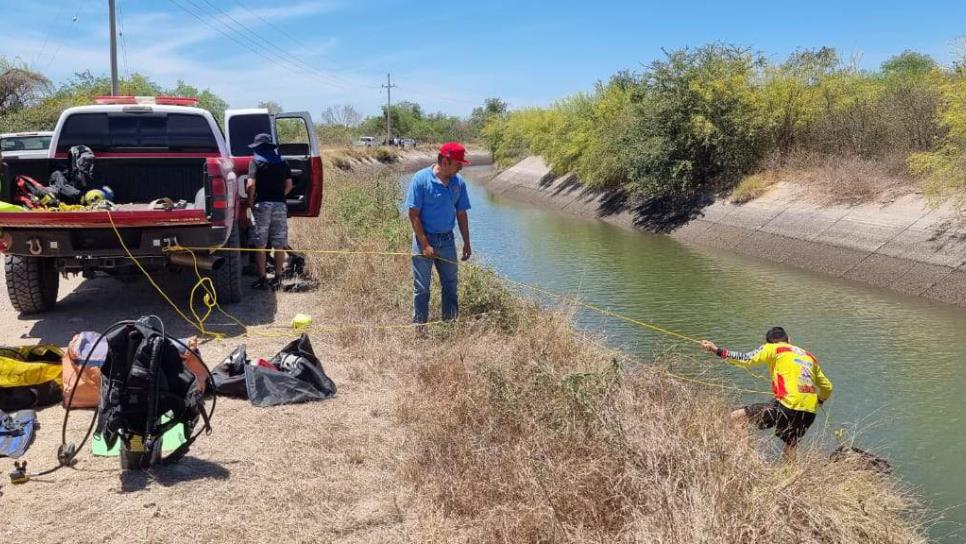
<point>317,472</point>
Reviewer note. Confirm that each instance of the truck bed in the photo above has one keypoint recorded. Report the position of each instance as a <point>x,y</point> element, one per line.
<point>134,179</point>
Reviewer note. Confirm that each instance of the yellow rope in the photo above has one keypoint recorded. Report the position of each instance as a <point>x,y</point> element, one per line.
<point>602,311</point>
<point>210,300</point>
<point>200,325</point>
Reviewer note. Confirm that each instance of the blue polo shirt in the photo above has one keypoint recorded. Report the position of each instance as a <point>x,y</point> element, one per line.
<point>437,203</point>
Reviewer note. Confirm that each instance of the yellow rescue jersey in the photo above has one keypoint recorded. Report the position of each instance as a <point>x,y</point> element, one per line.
<point>797,380</point>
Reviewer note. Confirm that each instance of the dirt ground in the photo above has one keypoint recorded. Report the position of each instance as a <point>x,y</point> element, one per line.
<point>317,472</point>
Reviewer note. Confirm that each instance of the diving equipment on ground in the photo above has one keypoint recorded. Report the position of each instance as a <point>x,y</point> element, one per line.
<point>146,390</point>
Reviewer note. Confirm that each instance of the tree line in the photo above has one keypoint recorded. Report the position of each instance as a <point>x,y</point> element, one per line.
<point>29,101</point>
<point>702,118</point>
<point>341,124</point>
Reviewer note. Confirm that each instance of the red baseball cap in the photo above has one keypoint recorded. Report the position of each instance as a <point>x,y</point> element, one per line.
<point>454,151</point>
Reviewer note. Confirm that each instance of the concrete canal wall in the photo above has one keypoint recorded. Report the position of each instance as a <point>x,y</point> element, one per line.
<point>904,244</point>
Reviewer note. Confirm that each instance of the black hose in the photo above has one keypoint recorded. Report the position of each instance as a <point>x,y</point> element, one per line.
<point>66,454</point>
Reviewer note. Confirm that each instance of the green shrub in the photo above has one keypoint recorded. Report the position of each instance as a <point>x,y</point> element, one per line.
<point>370,209</point>
<point>698,121</point>
<point>482,293</point>
<point>943,170</point>
<point>703,119</point>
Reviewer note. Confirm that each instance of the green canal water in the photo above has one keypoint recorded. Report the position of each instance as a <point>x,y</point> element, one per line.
<point>897,362</point>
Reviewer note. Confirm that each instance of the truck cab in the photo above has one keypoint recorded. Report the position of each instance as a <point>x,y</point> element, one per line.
<point>146,149</point>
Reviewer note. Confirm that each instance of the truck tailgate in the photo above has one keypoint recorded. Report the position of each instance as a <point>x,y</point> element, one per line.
<point>101,219</point>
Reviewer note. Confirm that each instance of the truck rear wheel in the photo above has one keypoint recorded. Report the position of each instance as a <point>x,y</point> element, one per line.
<point>32,283</point>
<point>227,278</point>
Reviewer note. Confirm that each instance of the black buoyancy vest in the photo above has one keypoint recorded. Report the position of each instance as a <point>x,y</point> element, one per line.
<point>145,377</point>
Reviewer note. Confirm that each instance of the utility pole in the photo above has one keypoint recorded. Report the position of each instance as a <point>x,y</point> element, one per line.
<point>114,87</point>
<point>388,86</point>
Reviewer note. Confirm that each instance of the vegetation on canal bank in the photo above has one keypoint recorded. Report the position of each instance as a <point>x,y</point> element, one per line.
<point>521,429</point>
<point>704,119</point>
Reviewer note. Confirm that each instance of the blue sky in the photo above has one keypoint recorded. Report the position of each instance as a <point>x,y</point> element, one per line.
<point>309,54</point>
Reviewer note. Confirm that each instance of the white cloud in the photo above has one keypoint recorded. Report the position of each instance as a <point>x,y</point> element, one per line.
<point>172,45</point>
<point>277,13</point>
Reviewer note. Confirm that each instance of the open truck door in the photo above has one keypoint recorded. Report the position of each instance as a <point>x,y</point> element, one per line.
<point>297,144</point>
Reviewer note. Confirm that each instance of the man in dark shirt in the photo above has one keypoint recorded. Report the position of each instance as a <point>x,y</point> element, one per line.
<point>269,180</point>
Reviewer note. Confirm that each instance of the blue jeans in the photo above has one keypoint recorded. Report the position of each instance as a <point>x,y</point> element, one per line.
<point>445,246</point>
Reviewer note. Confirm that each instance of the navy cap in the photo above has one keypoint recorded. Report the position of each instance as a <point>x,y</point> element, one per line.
<point>262,139</point>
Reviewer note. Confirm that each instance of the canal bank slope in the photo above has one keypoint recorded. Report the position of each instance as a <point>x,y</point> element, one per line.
<point>904,244</point>
<point>352,159</point>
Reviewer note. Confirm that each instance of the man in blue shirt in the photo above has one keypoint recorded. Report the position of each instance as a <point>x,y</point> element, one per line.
<point>437,200</point>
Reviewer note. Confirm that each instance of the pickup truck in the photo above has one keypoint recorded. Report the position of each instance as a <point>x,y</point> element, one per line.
<point>148,148</point>
<point>25,144</point>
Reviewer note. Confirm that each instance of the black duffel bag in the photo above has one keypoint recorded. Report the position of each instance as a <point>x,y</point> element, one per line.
<point>293,375</point>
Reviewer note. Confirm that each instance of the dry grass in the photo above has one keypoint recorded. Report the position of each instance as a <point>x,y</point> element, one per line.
<point>538,437</point>
<point>385,155</point>
<point>521,430</point>
<point>835,180</point>
<point>753,186</point>
<point>339,161</point>
<point>854,180</point>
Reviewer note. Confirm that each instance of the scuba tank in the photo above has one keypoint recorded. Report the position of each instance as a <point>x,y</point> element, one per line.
<point>143,378</point>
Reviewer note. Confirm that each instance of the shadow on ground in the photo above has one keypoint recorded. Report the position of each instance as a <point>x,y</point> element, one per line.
<point>95,304</point>
<point>185,470</point>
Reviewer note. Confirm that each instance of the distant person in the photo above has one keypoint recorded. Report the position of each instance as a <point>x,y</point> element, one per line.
<point>437,200</point>
<point>797,381</point>
<point>269,180</point>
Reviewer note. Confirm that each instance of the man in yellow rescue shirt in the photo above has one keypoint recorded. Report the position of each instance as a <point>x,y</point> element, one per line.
<point>797,381</point>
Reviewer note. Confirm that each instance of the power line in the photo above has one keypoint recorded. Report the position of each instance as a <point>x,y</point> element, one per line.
<point>285,33</point>
<point>443,98</point>
<point>262,19</point>
<point>61,44</point>
<point>272,52</point>
<point>232,37</point>
<point>53,23</point>
<point>270,43</point>
<point>120,22</point>
<point>287,56</point>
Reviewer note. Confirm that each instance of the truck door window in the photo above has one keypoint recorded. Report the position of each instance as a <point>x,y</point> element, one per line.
<point>293,136</point>
<point>242,131</point>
